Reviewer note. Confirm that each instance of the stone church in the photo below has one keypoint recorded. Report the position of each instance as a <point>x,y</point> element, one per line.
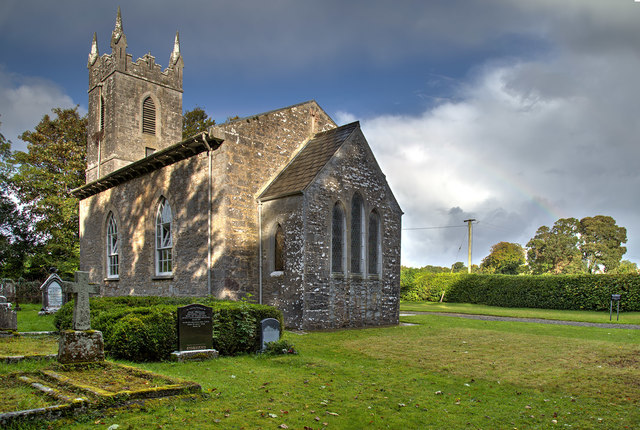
<point>285,205</point>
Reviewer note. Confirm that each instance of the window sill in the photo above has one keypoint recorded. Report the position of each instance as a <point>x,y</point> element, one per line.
<point>162,278</point>
<point>111,279</point>
<point>337,275</point>
<point>374,277</point>
<point>357,276</point>
<point>277,274</point>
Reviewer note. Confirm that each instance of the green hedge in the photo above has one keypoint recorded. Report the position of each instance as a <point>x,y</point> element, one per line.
<point>144,328</point>
<point>570,292</point>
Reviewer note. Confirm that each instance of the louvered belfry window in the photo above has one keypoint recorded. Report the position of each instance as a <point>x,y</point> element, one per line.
<point>101,113</point>
<point>148,116</point>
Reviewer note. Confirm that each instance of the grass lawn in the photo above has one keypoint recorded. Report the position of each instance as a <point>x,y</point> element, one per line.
<point>29,320</point>
<point>548,314</point>
<point>441,373</point>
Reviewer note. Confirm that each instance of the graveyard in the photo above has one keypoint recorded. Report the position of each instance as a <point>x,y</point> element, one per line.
<point>437,372</point>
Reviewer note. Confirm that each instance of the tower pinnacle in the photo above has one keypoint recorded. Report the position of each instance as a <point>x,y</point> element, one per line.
<point>93,55</point>
<point>175,54</point>
<point>117,31</point>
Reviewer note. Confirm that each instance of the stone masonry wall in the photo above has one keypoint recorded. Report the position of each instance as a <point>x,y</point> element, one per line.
<point>254,151</point>
<point>134,205</point>
<point>350,300</point>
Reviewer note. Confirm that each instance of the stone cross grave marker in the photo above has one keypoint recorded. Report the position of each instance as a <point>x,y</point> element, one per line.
<point>269,331</point>
<point>81,290</point>
<point>195,327</point>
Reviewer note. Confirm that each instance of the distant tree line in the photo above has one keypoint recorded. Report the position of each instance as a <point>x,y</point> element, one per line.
<point>592,245</point>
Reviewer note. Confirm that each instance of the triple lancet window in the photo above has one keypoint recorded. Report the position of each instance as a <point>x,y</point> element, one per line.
<point>113,260</point>
<point>164,239</point>
<point>364,234</point>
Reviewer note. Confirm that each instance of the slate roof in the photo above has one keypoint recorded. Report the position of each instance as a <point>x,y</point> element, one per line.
<point>299,173</point>
<point>172,154</point>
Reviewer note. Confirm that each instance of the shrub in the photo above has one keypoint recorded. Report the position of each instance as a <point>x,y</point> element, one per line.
<point>279,347</point>
<point>428,286</point>
<point>144,328</point>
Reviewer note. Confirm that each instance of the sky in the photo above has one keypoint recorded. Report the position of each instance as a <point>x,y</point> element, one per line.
<point>512,113</point>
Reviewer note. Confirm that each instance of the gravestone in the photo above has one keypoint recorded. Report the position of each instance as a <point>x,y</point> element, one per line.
<point>8,317</point>
<point>52,295</point>
<point>195,327</point>
<point>269,331</point>
<point>195,333</point>
<point>80,345</point>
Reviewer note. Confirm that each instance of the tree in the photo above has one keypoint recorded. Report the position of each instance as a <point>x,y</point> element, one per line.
<point>195,121</point>
<point>601,243</point>
<point>626,267</point>
<point>505,258</point>
<point>556,250</point>
<point>16,241</point>
<point>458,267</point>
<point>591,245</point>
<point>44,176</point>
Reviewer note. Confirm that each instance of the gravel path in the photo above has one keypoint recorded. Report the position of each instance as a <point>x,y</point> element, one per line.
<point>530,320</point>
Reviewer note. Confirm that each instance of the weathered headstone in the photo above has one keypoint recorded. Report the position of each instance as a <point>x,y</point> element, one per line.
<point>269,331</point>
<point>195,333</point>
<point>52,295</point>
<point>8,317</point>
<point>80,345</point>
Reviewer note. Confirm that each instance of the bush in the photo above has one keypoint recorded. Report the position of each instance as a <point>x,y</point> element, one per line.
<point>569,292</point>
<point>145,328</point>
<point>279,347</point>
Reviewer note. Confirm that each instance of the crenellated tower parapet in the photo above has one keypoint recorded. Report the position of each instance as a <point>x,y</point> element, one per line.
<point>135,108</point>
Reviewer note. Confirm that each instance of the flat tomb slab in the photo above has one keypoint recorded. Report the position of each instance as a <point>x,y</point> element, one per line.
<point>67,389</point>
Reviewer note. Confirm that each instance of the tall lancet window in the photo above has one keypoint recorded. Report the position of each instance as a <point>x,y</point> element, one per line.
<point>374,243</point>
<point>113,253</point>
<point>337,239</point>
<point>148,116</point>
<point>278,250</point>
<point>164,239</point>
<point>357,230</point>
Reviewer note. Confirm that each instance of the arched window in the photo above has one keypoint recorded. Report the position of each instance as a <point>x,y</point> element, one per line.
<point>101,128</point>
<point>357,230</point>
<point>337,239</point>
<point>148,116</point>
<point>113,260</point>
<point>278,250</point>
<point>374,243</point>
<point>164,240</point>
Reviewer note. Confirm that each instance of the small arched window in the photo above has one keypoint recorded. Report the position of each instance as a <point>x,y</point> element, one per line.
<point>164,239</point>
<point>101,127</point>
<point>374,243</point>
<point>148,116</point>
<point>113,254</point>
<point>278,250</point>
<point>337,239</point>
<point>357,230</point>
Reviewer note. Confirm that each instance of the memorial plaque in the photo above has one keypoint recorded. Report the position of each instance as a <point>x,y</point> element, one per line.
<point>195,327</point>
<point>270,331</point>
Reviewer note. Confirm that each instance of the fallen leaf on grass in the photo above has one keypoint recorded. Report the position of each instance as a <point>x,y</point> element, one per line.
<point>283,426</point>
<point>332,414</point>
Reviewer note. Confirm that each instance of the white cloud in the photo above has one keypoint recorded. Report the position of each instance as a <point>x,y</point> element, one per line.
<point>526,143</point>
<point>23,103</point>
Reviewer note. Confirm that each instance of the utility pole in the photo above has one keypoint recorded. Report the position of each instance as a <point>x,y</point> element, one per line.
<point>469,222</point>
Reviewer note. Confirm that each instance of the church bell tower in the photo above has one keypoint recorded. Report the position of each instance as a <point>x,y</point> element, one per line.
<point>135,108</point>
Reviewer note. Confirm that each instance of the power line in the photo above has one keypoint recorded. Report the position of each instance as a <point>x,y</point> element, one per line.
<point>434,228</point>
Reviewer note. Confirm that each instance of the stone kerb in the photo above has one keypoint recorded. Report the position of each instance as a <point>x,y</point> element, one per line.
<point>80,345</point>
